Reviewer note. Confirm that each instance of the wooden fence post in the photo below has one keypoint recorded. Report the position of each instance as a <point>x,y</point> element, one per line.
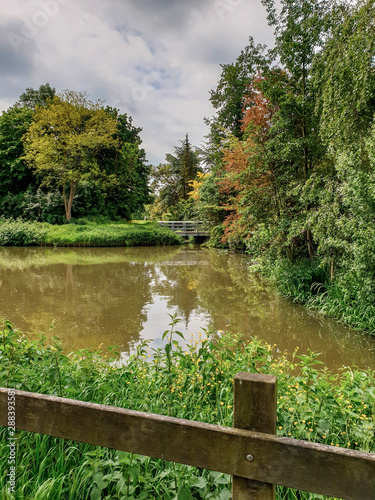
<point>255,401</point>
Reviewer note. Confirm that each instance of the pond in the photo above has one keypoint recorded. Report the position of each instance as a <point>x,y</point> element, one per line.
<point>120,296</point>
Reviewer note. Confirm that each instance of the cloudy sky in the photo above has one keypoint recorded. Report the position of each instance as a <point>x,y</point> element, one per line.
<point>153,59</point>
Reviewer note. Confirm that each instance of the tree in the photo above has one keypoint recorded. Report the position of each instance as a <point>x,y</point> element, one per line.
<point>341,201</point>
<point>15,176</point>
<point>250,184</point>
<point>228,101</point>
<point>344,74</point>
<point>229,95</point>
<point>63,140</point>
<point>32,98</point>
<point>185,165</point>
<point>300,30</point>
<point>129,191</point>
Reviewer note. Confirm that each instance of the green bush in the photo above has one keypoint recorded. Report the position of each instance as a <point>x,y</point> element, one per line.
<point>88,219</point>
<point>21,233</point>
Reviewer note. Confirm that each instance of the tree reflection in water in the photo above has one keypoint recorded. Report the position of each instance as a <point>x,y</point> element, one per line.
<point>121,295</point>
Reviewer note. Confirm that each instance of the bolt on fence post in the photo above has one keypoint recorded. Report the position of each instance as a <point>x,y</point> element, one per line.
<point>255,399</point>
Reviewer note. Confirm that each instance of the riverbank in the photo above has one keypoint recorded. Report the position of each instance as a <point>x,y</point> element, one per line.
<point>347,297</point>
<point>85,234</point>
<point>194,383</point>
<point>334,290</point>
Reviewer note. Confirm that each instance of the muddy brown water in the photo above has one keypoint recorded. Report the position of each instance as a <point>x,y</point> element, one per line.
<point>119,296</point>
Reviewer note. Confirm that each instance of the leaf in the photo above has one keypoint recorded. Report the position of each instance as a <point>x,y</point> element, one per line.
<point>180,334</point>
<point>165,334</point>
<point>200,483</point>
<point>224,495</point>
<point>223,480</point>
<point>168,349</point>
<point>95,494</point>
<point>134,473</point>
<point>98,479</point>
<point>185,494</point>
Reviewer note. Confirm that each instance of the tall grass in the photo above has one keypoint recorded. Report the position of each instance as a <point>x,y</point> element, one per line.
<point>193,383</point>
<point>110,235</point>
<point>87,234</point>
<point>347,298</point>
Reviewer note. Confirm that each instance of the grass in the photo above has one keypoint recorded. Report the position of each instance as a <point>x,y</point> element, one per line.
<point>89,234</point>
<point>348,298</point>
<point>193,383</point>
<point>110,235</point>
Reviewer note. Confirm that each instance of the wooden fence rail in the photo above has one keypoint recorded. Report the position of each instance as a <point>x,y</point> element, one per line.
<point>250,451</point>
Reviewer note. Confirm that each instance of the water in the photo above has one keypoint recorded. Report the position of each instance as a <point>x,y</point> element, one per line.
<point>122,295</point>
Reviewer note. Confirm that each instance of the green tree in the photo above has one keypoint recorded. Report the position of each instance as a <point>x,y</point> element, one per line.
<point>344,74</point>
<point>300,29</point>
<point>340,199</point>
<point>230,93</point>
<point>127,165</point>
<point>64,139</point>
<point>184,164</point>
<point>15,176</point>
<point>32,98</point>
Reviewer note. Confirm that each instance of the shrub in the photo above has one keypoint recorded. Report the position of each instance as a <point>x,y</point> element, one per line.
<point>21,233</point>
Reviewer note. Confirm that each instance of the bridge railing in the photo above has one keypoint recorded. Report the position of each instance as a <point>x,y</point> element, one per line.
<point>250,451</point>
<point>186,227</point>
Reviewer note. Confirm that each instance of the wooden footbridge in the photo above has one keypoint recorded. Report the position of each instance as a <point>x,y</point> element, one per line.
<point>186,228</point>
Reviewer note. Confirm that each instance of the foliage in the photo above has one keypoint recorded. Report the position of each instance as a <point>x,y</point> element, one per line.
<point>42,205</point>
<point>89,232</point>
<point>196,184</point>
<point>345,78</point>
<point>15,176</point>
<point>184,164</point>
<point>21,233</point>
<point>192,381</point>
<point>295,175</point>
<point>171,182</point>
<point>104,176</point>
<point>109,235</point>
<point>62,142</point>
<point>32,98</point>
<point>127,191</point>
<point>227,99</point>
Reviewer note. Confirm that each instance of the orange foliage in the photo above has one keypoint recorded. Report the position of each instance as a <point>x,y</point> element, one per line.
<point>240,179</point>
<point>257,112</point>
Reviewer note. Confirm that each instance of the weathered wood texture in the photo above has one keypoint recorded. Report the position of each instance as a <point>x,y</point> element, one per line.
<point>308,466</point>
<point>255,399</point>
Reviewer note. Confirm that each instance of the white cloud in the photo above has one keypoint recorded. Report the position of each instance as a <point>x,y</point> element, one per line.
<point>154,59</point>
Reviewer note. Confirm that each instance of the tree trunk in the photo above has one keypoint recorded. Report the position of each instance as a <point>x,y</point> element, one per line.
<point>332,268</point>
<point>69,203</point>
<point>310,245</point>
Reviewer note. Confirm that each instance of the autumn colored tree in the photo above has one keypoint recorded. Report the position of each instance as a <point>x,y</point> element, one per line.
<point>250,182</point>
<point>63,139</point>
<point>228,100</point>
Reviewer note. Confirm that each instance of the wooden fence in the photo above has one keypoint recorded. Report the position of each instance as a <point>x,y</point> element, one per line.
<point>250,451</point>
<point>186,228</point>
